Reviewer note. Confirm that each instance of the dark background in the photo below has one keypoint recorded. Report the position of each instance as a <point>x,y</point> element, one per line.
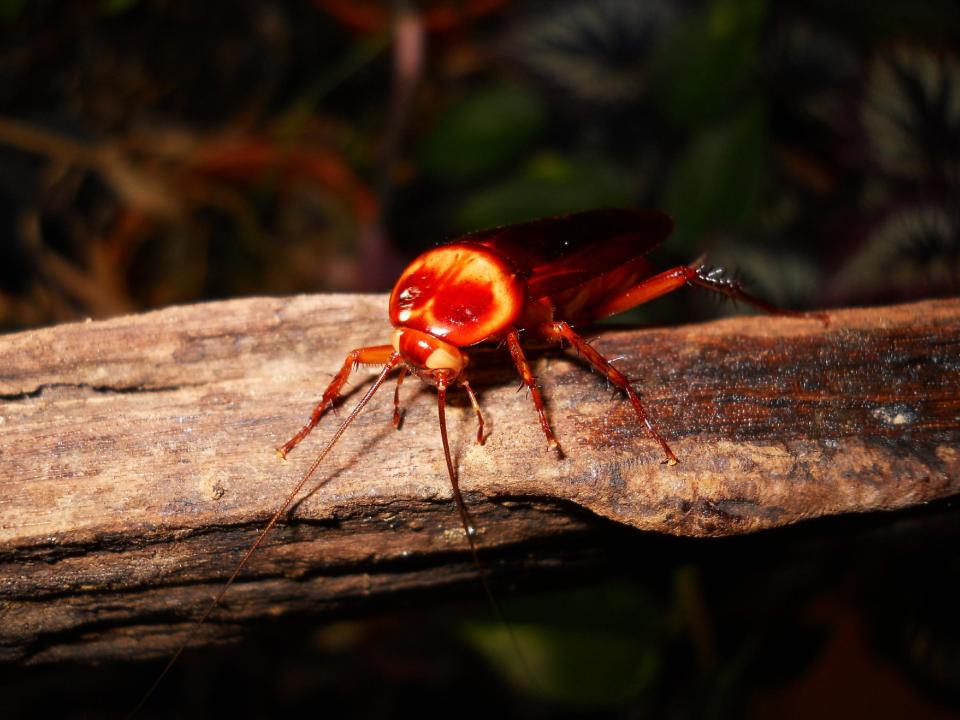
<point>166,151</point>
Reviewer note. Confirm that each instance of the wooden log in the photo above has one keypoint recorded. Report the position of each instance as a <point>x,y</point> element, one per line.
<point>137,456</point>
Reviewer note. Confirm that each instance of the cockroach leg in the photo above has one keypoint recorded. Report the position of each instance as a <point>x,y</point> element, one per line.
<point>560,331</point>
<point>655,286</point>
<point>373,355</point>
<point>396,396</point>
<point>516,352</point>
<point>476,408</point>
<point>675,278</point>
<point>468,526</point>
<point>716,282</point>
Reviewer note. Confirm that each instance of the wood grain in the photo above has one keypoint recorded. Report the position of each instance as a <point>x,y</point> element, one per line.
<point>137,462</point>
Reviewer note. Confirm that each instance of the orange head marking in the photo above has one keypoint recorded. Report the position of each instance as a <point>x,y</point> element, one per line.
<point>462,293</point>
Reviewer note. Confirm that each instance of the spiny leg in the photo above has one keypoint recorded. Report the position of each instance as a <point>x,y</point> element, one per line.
<point>675,278</point>
<point>476,407</point>
<point>516,352</point>
<point>373,355</point>
<point>396,396</point>
<point>560,331</point>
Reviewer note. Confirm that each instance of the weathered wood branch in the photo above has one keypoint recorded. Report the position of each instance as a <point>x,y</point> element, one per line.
<point>137,463</point>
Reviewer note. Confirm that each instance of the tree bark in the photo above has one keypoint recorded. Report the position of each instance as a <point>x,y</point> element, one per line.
<point>137,455</point>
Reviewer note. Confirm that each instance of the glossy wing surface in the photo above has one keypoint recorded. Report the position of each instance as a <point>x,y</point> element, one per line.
<point>560,253</point>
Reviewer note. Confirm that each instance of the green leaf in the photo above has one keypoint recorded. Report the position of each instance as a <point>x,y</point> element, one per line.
<point>480,133</point>
<point>549,184</point>
<point>704,66</point>
<point>717,181</point>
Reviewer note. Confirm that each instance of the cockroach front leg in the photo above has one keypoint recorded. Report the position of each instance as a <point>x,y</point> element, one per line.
<point>520,361</point>
<point>561,331</point>
<point>374,355</point>
<point>396,396</point>
<point>476,408</point>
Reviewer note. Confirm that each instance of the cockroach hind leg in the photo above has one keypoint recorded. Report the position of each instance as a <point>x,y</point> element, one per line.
<point>526,375</point>
<point>558,330</point>
<point>554,446</point>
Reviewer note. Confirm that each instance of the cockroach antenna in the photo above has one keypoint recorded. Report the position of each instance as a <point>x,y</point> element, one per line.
<point>390,365</point>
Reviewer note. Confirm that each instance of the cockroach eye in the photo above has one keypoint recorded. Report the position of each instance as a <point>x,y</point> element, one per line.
<point>409,294</point>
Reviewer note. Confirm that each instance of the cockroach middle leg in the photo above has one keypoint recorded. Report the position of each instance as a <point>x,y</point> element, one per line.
<point>476,409</point>
<point>520,361</point>
<point>468,527</point>
<point>560,331</point>
<point>396,396</point>
<point>373,355</point>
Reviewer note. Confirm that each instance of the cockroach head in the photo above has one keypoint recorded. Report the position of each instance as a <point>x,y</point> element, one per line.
<point>428,356</point>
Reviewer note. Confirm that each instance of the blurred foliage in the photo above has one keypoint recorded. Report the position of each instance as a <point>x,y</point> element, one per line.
<point>699,185</point>
<point>116,6</point>
<point>595,647</point>
<point>912,113</point>
<point>597,54</point>
<point>319,145</point>
<point>707,63</point>
<point>547,184</point>
<point>11,9</point>
<point>481,133</point>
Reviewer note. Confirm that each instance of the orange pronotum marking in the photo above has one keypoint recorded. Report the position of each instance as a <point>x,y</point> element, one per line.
<point>462,293</point>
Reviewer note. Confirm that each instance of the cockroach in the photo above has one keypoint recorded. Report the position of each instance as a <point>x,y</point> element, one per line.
<point>539,279</point>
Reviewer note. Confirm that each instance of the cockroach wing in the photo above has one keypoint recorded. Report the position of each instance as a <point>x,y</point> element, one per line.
<point>561,253</point>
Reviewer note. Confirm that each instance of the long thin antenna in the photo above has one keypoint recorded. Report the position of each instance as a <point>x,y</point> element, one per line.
<point>470,530</point>
<point>390,365</point>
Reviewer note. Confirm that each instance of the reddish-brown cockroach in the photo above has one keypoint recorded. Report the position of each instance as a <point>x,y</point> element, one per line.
<point>541,278</point>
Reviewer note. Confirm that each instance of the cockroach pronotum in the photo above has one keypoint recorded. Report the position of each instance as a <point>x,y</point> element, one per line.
<point>540,278</point>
